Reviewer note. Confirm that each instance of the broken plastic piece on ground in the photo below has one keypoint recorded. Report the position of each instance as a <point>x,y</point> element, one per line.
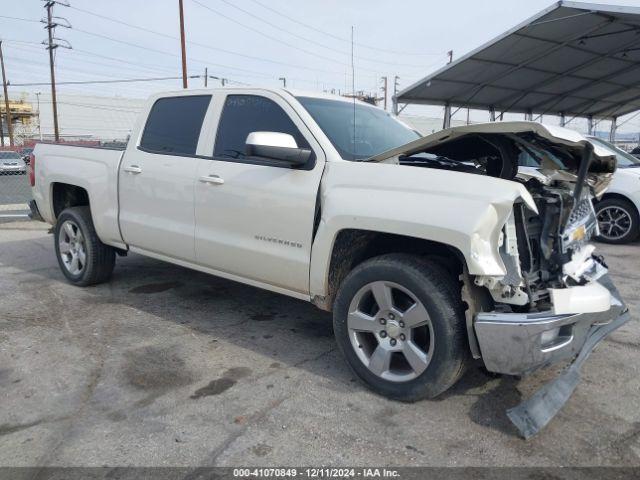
<point>533,414</point>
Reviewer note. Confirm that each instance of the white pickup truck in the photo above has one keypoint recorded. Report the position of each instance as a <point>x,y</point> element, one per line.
<point>430,252</point>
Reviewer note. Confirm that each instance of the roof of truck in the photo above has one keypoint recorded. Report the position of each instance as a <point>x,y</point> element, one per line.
<point>290,91</point>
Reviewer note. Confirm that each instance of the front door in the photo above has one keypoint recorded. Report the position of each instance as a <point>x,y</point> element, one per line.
<point>255,219</point>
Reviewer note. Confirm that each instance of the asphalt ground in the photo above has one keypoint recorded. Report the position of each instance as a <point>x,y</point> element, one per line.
<point>163,366</point>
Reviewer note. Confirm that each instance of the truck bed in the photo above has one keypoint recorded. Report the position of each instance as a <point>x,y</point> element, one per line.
<point>93,168</point>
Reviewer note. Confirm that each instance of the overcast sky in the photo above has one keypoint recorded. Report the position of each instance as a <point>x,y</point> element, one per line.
<point>252,41</point>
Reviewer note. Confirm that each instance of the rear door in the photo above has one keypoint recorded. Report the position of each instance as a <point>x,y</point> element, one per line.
<point>256,219</point>
<point>157,175</point>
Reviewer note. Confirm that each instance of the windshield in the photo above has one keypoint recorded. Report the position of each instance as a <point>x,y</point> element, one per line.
<point>9,155</point>
<point>623,158</point>
<point>375,131</point>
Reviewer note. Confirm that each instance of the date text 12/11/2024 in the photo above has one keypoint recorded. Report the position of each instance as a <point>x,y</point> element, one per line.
<point>315,473</point>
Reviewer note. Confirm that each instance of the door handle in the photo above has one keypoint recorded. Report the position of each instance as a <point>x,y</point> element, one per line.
<point>213,179</point>
<point>133,169</point>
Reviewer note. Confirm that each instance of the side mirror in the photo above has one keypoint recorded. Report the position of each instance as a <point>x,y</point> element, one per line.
<point>276,146</point>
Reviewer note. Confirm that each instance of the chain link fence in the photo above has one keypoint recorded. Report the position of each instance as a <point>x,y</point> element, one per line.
<point>15,191</point>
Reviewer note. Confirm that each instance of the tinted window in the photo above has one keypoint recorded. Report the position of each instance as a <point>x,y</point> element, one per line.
<point>243,114</point>
<point>174,124</point>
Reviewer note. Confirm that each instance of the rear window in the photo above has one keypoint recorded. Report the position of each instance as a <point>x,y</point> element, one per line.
<point>174,124</point>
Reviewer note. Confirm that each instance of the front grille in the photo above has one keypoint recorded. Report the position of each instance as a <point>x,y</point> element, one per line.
<point>582,213</point>
<point>581,210</point>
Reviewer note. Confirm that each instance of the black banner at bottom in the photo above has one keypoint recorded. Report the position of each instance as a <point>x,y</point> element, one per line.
<point>402,473</point>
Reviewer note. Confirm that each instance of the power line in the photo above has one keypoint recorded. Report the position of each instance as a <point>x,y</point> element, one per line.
<point>230,52</point>
<point>198,44</point>
<point>270,37</point>
<point>280,29</point>
<point>173,55</point>
<point>254,73</point>
<point>87,82</point>
<point>96,107</point>
<point>51,46</point>
<point>73,68</point>
<point>20,18</point>
<point>37,46</point>
<point>342,39</point>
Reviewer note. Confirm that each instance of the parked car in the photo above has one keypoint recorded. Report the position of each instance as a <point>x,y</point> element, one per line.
<point>617,210</point>
<point>636,152</point>
<point>428,251</point>
<point>11,163</point>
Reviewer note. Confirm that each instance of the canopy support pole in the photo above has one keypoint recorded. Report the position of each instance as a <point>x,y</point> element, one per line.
<point>612,132</point>
<point>447,116</point>
<point>590,124</point>
<point>563,120</point>
<point>492,114</point>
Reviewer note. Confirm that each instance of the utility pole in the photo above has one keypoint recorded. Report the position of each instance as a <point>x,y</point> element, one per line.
<point>50,26</point>
<point>385,81</point>
<point>1,129</point>
<point>284,81</point>
<point>206,76</point>
<point>450,55</point>
<point>396,84</point>
<point>183,46</point>
<point>6,98</point>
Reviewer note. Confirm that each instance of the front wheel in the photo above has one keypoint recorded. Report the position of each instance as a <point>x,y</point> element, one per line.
<point>400,324</point>
<point>618,221</point>
<point>83,258</point>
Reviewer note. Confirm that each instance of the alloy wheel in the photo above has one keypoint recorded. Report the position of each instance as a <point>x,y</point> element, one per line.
<point>72,247</point>
<point>390,331</point>
<point>614,222</point>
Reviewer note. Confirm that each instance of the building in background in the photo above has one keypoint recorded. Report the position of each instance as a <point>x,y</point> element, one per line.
<point>23,117</point>
<point>81,117</point>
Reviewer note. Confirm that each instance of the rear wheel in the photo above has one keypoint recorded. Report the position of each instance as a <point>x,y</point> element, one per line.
<point>618,221</point>
<point>399,321</point>
<point>83,258</point>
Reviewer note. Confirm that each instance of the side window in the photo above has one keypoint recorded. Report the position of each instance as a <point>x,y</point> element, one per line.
<point>174,124</point>
<point>243,114</point>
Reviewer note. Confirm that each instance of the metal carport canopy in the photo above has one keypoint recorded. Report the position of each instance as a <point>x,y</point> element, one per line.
<point>572,59</point>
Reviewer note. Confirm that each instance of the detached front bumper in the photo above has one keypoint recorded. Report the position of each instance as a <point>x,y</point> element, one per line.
<point>520,343</point>
<point>517,344</point>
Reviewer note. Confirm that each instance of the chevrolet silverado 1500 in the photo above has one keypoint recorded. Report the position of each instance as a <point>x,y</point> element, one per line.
<point>430,252</point>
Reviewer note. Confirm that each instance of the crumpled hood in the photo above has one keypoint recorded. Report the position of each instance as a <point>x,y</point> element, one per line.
<point>603,161</point>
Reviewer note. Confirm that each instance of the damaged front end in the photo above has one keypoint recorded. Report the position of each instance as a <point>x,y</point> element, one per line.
<point>555,301</point>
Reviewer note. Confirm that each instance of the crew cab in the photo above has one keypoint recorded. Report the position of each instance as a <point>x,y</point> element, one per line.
<point>431,252</point>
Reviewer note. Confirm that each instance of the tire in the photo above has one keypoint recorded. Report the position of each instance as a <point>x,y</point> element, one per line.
<point>443,349</point>
<point>618,221</point>
<point>75,237</point>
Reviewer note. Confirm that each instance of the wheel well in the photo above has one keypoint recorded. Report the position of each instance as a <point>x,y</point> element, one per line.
<point>617,196</point>
<point>64,196</point>
<point>352,247</point>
